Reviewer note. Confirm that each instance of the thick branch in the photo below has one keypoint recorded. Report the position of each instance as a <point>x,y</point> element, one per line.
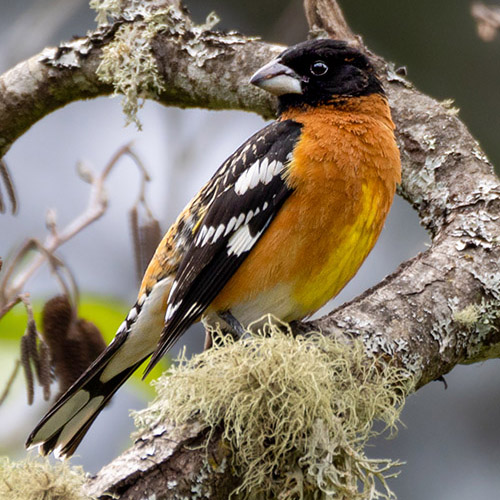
<point>173,457</point>
<point>435,311</point>
<point>32,89</point>
<point>204,69</point>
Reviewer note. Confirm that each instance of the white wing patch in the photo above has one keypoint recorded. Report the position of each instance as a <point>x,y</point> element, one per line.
<point>171,310</point>
<point>218,232</point>
<point>231,225</point>
<point>132,314</point>
<point>122,328</point>
<point>259,172</point>
<point>211,234</point>
<point>242,241</point>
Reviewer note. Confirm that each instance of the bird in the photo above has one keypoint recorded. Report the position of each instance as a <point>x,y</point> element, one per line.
<point>279,229</point>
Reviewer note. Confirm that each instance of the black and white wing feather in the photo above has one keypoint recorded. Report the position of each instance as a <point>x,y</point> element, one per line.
<point>239,203</point>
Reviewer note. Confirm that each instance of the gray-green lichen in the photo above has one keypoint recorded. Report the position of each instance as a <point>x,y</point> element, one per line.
<point>297,412</point>
<point>451,110</point>
<point>479,321</point>
<point>31,479</point>
<point>468,316</point>
<point>128,62</point>
<point>129,65</point>
<point>106,9</point>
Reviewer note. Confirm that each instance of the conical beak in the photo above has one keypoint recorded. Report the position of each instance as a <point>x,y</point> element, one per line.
<point>277,79</point>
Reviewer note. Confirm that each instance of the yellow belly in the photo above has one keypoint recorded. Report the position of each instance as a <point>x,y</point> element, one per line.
<point>337,260</point>
<point>304,259</point>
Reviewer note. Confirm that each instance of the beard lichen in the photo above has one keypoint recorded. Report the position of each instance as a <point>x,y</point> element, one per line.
<point>31,479</point>
<point>128,65</point>
<point>106,10</point>
<point>128,62</point>
<point>296,412</point>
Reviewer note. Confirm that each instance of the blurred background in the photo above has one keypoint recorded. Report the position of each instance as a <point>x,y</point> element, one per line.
<point>450,441</point>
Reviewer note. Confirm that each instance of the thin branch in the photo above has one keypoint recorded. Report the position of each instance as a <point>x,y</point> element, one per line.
<point>326,18</point>
<point>9,186</point>
<point>9,305</point>
<point>54,262</point>
<point>11,286</point>
<point>10,381</point>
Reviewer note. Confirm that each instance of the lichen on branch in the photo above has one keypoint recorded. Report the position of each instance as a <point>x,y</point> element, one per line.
<point>31,479</point>
<point>128,61</point>
<point>297,412</point>
<point>130,67</point>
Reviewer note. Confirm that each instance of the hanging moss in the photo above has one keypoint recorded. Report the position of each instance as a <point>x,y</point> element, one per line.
<point>297,412</point>
<point>128,62</point>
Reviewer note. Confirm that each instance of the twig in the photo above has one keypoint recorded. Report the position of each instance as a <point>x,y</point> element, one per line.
<point>10,288</point>
<point>7,307</point>
<point>55,264</point>
<point>326,16</point>
<point>9,186</point>
<point>10,382</point>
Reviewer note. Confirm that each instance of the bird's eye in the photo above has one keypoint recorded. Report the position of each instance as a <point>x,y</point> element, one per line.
<point>319,68</point>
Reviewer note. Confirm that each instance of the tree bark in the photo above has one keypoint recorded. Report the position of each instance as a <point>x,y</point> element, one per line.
<point>435,311</point>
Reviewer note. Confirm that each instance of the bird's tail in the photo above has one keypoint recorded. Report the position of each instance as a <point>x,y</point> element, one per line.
<point>67,422</point>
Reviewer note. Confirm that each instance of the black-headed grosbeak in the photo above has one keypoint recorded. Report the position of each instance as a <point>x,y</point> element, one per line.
<point>280,228</point>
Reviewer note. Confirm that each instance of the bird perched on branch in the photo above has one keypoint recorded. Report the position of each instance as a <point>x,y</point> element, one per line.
<point>280,228</point>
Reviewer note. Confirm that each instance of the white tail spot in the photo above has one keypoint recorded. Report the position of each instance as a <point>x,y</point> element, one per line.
<point>76,423</point>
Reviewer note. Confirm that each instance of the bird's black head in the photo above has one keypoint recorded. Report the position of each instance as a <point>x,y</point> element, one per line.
<point>318,72</point>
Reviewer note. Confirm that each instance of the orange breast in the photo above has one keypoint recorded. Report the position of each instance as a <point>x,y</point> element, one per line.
<point>344,175</point>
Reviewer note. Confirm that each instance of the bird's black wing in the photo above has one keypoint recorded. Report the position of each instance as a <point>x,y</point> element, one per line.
<point>238,204</point>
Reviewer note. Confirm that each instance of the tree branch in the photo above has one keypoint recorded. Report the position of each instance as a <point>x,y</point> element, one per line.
<point>199,69</point>
<point>326,17</point>
<point>435,311</point>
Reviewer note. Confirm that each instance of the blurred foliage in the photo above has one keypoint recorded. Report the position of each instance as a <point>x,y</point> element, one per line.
<point>105,312</point>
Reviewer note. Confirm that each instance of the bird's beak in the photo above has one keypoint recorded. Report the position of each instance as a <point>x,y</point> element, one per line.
<point>277,79</point>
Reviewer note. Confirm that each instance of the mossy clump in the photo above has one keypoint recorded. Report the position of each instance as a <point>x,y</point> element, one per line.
<point>468,316</point>
<point>31,479</point>
<point>128,62</point>
<point>297,412</point>
<point>128,65</point>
